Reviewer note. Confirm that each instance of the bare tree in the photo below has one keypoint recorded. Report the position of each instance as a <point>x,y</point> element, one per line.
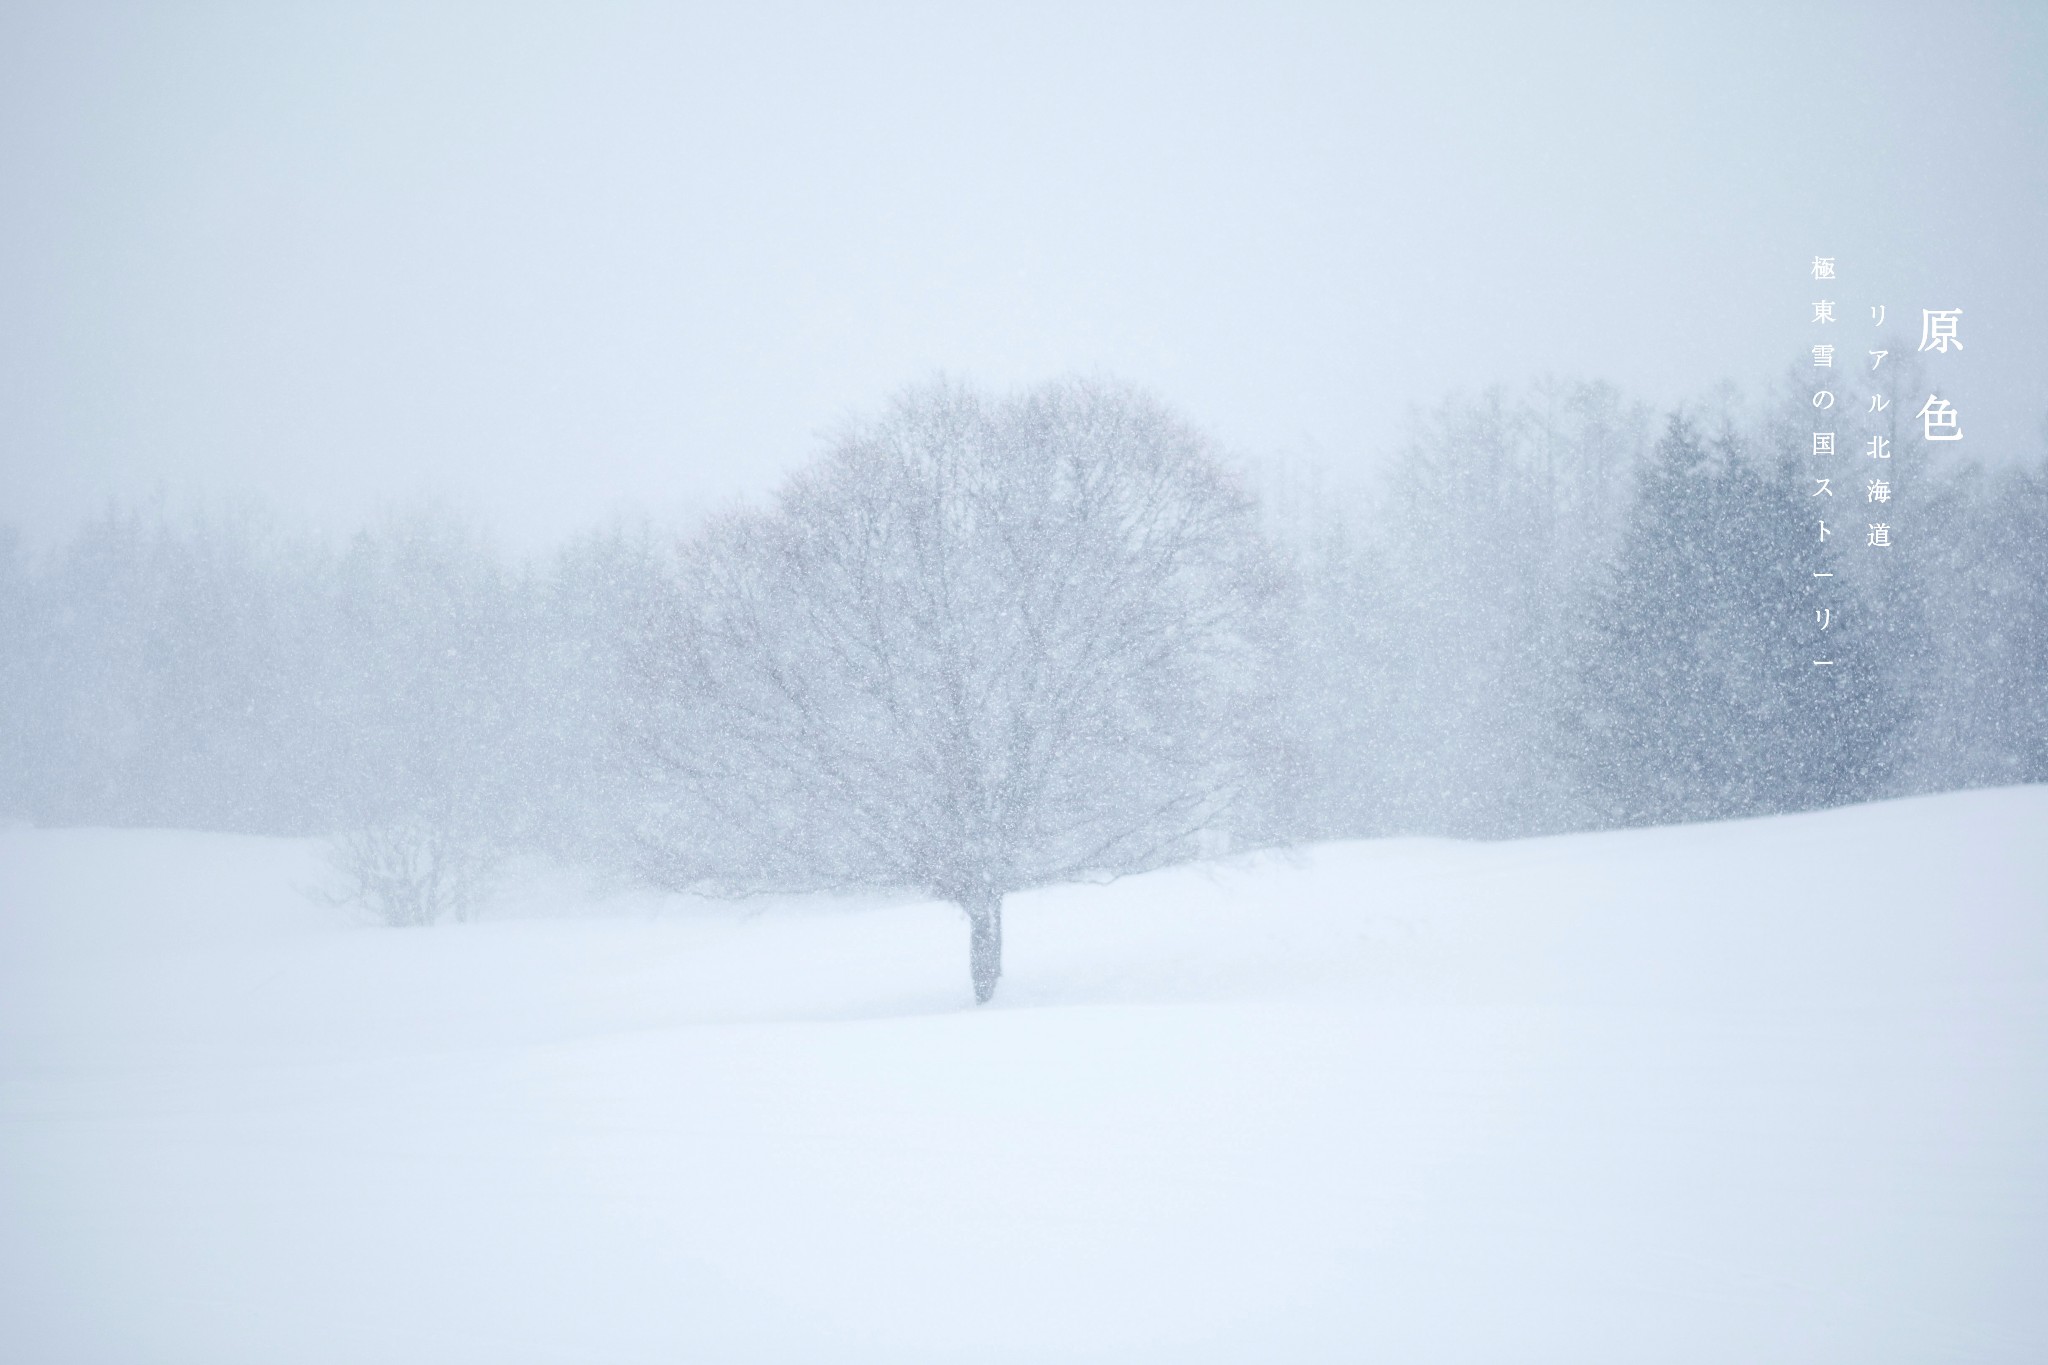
<point>413,872</point>
<point>983,645</point>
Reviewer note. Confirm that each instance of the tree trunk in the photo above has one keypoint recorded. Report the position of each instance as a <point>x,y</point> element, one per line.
<point>984,943</point>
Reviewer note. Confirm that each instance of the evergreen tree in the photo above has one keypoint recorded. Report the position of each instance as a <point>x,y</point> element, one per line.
<point>1709,688</point>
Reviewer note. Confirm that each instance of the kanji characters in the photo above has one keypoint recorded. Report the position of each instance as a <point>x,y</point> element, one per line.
<point>1939,420</point>
<point>1938,329</point>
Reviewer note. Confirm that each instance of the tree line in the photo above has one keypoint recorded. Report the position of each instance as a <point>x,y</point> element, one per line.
<point>991,641</point>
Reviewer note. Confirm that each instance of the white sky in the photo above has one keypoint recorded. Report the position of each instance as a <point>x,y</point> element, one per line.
<point>556,262</point>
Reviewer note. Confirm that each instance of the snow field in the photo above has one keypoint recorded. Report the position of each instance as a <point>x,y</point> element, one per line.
<point>1771,1090</point>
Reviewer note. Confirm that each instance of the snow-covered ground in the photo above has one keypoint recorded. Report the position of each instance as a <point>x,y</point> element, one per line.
<point>1774,1090</point>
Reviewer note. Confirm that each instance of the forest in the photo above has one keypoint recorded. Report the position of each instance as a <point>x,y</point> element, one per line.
<point>987,642</point>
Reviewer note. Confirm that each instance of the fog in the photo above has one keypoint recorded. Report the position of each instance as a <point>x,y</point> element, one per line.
<point>548,264</point>
<point>1094,683</point>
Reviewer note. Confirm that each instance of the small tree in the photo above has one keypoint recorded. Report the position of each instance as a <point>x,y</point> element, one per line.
<point>983,645</point>
<point>413,872</point>
<point>430,730</point>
